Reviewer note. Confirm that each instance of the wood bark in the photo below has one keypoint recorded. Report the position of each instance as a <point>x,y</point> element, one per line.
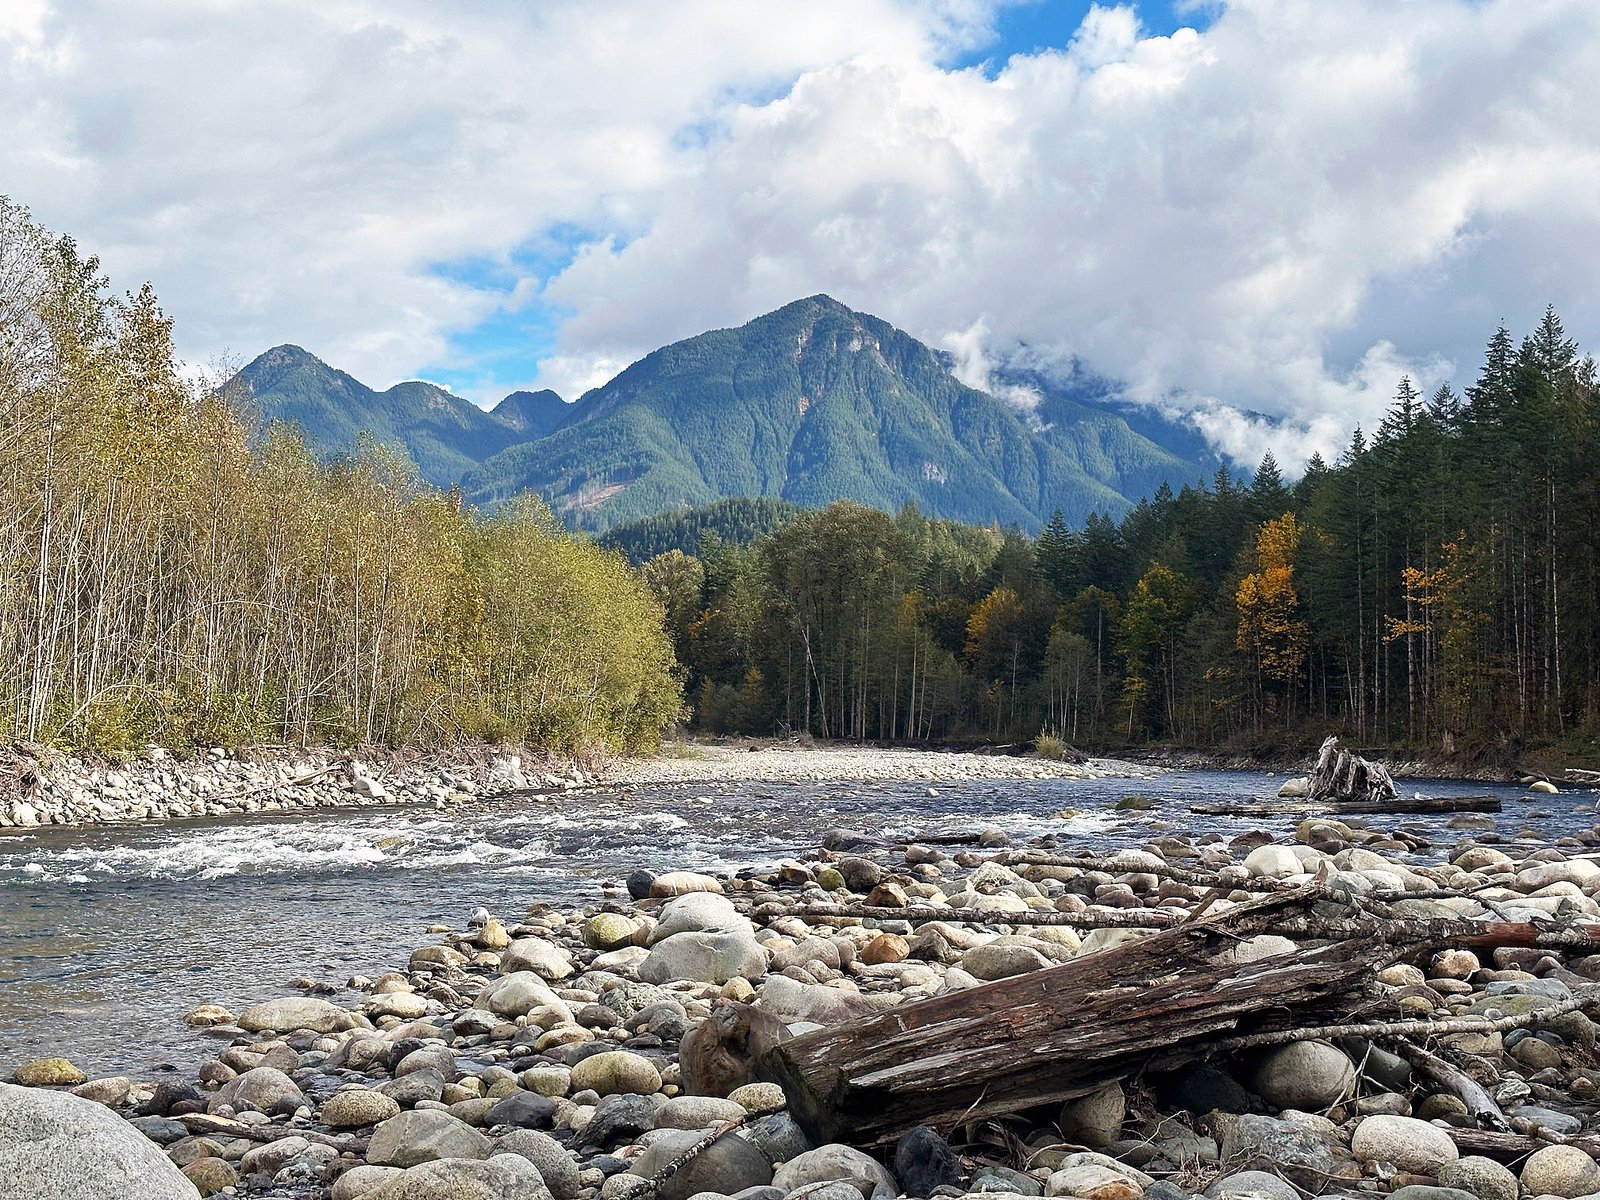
<point>1399,804</point>
<point>1054,1034</point>
<point>1342,775</point>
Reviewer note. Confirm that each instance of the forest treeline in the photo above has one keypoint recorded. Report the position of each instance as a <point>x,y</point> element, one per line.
<point>1435,586</point>
<point>170,573</point>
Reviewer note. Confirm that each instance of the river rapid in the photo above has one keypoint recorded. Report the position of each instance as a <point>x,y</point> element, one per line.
<point>108,935</point>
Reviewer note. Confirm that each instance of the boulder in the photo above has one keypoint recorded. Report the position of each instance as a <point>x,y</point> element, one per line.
<point>504,1177</point>
<point>362,1181</point>
<point>356,1108</point>
<point>549,1157</point>
<point>545,959</point>
<point>923,1160</point>
<point>678,883</point>
<point>424,1135</point>
<point>616,1072</point>
<point>1560,1171</point>
<point>1308,1076</point>
<point>210,1174</point>
<point>1411,1145</point>
<point>518,994</point>
<point>1000,960</point>
<point>261,1089</point>
<point>299,1012</point>
<point>705,958</point>
<point>699,912</point>
<point>1301,1155</point>
<point>609,931</point>
<point>726,1167</point>
<point>1243,1184</point>
<point>1482,1177</point>
<point>834,1163</point>
<point>55,1146</point>
<point>48,1072</point>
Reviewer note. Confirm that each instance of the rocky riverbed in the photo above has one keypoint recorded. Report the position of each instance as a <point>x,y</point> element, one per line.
<point>580,1052</point>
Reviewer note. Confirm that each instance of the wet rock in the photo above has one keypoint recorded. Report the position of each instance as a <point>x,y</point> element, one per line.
<point>66,1148</point>
<point>48,1072</point>
<point>522,1110</point>
<point>616,1118</point>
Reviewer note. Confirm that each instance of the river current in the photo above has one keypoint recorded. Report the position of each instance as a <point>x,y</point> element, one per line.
<point>109,935</point>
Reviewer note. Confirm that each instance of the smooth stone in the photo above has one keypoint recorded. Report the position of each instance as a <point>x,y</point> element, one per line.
<point>1252,1183</point>
<point>44,1137</point>
<point>505,1177</point>
<point>834,1163</point>
<point>545,959</point>
<point>778,1137</point>
<point>210,1175</point>
<point>362,1180</point>
<point>48,1072</point>
<point>421,1136</point>
<point>1423,1191</point>
<point>698,912</point>
<point>704,958</point>
<point>616,1072</point>
<point>1305,1075</point>
<point>356,1108</point>
<point>698,1112</point>
<point>1483,1177</point>
<point>1411,1145</point>
<point>549,1157</point>
<point>262,1089</point>
<point>521,1110</point>
<point>728,1165</point>
<point>923,1161</point>
<point>299,1012</point>
<point>1560,1171</point>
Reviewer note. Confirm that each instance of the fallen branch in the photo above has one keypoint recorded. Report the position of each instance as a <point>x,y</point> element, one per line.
<point>1468,1090</point>
<point>202,1123</point>
<point>653,1185</point>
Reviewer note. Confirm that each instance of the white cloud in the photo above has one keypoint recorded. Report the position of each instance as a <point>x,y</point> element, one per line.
<point>1281,213</point>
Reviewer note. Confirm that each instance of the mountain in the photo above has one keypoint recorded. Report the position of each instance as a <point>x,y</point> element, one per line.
<point>810,404</point>
<point>533,414</point>
<point>806,405</point>
<point>443,434</point>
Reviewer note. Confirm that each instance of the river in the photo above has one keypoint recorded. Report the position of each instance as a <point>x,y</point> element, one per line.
<point>109,934</point>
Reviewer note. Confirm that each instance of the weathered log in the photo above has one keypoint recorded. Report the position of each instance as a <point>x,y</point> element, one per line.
<point>1397,805</point>
<point>203,1123</point>
<point>1480,1105</point>
<point>1343,775</point>
<point>1509,1147</point>
<point>1061,1032</point>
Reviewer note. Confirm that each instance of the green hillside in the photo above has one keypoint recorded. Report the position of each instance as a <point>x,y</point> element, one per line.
<point>443,434</point>
<point>810,404</point>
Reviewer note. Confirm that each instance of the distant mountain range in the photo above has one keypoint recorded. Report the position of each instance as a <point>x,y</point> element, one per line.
<point>809,404</point>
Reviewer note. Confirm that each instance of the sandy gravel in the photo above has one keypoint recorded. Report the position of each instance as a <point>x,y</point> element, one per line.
<point>764,763</point>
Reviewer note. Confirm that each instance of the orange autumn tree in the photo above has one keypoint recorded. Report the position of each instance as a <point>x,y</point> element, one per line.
<point>1271,628</point>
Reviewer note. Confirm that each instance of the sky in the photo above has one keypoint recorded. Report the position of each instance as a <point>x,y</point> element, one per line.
<point>1230,207</point>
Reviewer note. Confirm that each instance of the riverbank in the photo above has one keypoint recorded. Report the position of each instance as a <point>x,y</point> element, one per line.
<point>65,790</point>
<point>581,1048</point>
<point>46,789</point>
<point>767,762</point>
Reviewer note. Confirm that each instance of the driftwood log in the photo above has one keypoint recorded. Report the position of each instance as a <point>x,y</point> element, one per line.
<point>1341,774</point>
<point>1061,1032</point>
<point>1171,998</point>
<point>1399,804</point>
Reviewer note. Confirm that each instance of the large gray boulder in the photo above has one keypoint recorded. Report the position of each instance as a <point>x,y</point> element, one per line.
<point>260,1089</point>
<point>704,958</point>
<point>543,958</point>
<point>424,1135</point>
<point>55,1146</point>
<point>699,912</point>
<point>556,1167</point>
<point>1308,1076</point>
<point>518,994</point>
<point>727,1166</point>
<point>834,1163</point>
<point>300,1012</point>
<point>504,1177</point>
